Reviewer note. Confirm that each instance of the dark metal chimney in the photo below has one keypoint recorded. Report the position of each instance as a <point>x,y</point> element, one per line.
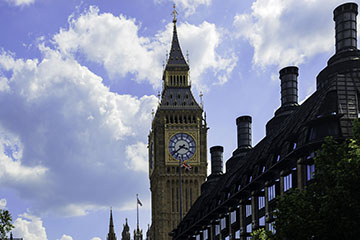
<point>345,26</point>
<point>216,160</point>
<point>243,124</point>
<point>289,86</point>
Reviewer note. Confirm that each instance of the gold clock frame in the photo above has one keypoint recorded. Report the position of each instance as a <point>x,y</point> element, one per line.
<point>195,159</point>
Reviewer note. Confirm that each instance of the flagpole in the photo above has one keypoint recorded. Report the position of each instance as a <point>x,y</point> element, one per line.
<point>180,190</point>
<point>137,210</point>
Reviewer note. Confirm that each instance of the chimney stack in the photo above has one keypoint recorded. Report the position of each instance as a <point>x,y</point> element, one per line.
<point>289,86</point>
<point>243,124</point>
<point>216,160</point>
<point>345,27</point>
<point>289,98</point>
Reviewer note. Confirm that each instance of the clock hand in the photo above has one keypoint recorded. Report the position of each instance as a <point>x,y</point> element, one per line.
<point>180,147</point>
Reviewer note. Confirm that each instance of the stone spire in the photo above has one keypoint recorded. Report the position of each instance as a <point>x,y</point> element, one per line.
<point>111,234</point>
<point>176,58</point>
<point>126,231</point>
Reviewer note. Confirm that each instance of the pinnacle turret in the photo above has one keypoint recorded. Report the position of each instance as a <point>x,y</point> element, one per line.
<point>111,234</point>
<point>126,231</point>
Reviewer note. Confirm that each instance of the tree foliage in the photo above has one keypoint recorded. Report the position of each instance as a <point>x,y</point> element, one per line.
<point>329,207</point>
<point>5,223</point>
<point>261,234</point>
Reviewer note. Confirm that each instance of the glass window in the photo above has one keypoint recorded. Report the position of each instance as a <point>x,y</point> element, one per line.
<point>262,221</point>
<point>271,227</point>
<point>206,234</point>
<point>217,229</point>
<point>248,228</point>
<point>310,171</point>
<point>248,210</point>
<point>233,216</point>
<point>223,223</point>
<point>287,182</point>
<point>237,234</point>
<point>261,202</point>
<point>271,192</point>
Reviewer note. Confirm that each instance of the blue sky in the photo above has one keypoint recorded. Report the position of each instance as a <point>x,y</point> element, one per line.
<point>79,80</point>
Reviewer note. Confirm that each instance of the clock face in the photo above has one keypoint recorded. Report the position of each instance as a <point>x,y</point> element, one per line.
<point>182,146</point>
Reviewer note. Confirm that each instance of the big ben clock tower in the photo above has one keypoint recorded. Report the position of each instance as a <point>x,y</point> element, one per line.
<point>178,136</point>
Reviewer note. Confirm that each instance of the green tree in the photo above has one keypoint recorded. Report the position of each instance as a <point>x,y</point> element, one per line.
<point>5,223</point>
<point>261,234</point>
<point>329,208</point>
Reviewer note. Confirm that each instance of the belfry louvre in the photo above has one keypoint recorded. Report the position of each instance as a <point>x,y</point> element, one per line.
<point>235,203</point>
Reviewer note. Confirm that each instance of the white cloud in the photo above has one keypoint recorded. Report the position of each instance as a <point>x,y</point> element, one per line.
<point>13,172</point>
<point>137,156</point>
<point>29,227</point>
<point>189,6</point>
<point>20,2</point>
<point>201,42</point>
<point>115,43</point>
<point>63,133</point>
<point>3,203</point>
<point>66,237</point>
<point>287,32</point>
<point>96,238</point>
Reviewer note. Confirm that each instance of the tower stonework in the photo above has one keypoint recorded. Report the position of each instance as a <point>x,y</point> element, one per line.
<point>178,135</point>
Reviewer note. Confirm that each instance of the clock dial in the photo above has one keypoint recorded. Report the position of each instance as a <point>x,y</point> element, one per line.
<point>182,146</point>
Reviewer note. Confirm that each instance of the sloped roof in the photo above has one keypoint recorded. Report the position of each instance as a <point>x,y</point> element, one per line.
<point>176,57</point>
<point>178,97</point>
<point>277,143</point>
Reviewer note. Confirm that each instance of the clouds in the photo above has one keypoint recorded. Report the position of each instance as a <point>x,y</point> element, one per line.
<point>13,172</point>
<point>3,203</point>
<point>66,237</point>
<point>64,135</point>
<point>62,131</point>
<point>115,43</point>
<point>29,227</point>
<point>189,6</point>
<point>20,3</point>
<point>287,32</point>
<point>137,155</point>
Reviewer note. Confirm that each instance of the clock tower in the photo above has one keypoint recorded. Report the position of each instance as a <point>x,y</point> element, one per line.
<point>178,138</point>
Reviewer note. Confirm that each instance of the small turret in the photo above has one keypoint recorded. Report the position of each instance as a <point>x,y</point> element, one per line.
<point>125,235</point>
<point>111,234</point>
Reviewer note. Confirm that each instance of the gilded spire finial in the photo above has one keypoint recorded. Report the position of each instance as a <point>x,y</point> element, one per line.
<point>174,13</point>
